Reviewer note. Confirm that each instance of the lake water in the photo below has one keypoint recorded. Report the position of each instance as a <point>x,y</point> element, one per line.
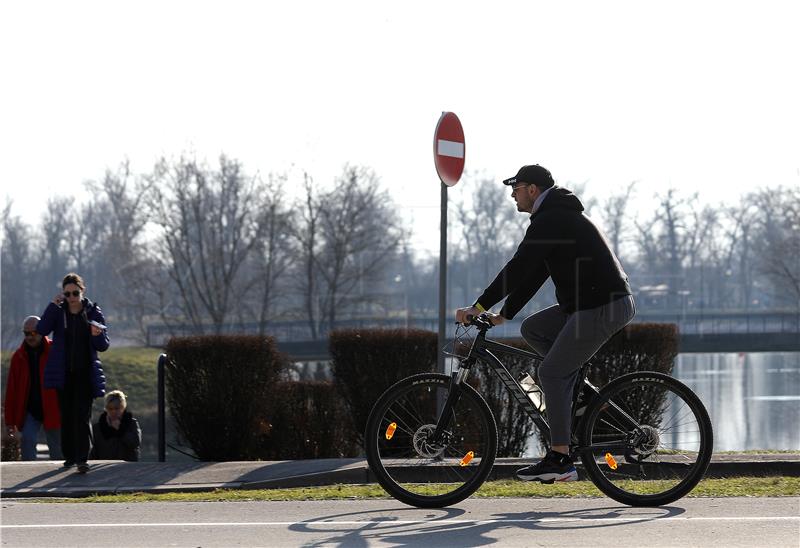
<point>753,398</point>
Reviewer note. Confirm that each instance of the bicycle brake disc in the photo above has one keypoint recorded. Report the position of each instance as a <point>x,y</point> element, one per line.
<point>644,446</point>
<point>421,444</point>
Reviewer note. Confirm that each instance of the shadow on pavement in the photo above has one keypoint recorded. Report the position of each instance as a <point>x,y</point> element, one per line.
<point>441,527</point>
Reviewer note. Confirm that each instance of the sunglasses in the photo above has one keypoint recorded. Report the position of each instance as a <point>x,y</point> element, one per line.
<point>73,293</point>
<point>29,333</point>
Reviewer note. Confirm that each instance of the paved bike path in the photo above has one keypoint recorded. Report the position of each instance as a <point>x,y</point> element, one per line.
<point>49,479</point>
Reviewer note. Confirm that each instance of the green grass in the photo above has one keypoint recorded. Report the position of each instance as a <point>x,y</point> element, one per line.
<point>729,487</point>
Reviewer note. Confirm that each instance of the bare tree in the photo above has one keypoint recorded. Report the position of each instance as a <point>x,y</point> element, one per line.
<point>346,238</point>
<point>778,233</point>
<point>672,220</point>
<point>306,232</point>
<point>738,239</point>
<point>122,196</point>
<point>56,222</point>
<point>615,213</point>
<point>125,194</point>
<point>361,234</point>
<point>663,241</point>
<point>17,267</point>
<point>265,273</point>
<point>209,225</point>
<point>87,242</point>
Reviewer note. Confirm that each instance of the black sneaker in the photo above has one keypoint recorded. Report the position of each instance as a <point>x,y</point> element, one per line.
<point>83,468</point>
<point>553,467</point>
<point>68,464</point>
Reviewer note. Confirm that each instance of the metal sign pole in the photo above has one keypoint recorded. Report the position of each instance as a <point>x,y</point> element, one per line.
<point>442,278</point>
<point>448,156</point>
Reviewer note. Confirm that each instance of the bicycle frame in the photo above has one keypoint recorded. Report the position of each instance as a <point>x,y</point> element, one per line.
<point>484,349</point>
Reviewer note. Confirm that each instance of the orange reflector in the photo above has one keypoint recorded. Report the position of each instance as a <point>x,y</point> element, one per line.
<point>611,462</point>
<point>467,458</point>
<point>390,430</point>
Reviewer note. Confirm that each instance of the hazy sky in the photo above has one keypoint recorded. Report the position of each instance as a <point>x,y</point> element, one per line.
<point>698,95</point>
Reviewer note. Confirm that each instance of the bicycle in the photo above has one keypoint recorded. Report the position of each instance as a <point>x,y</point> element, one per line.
<point>644,439</point>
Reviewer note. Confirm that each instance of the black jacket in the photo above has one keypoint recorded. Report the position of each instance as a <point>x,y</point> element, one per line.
<point>111,444</point>
<point>561,243</point>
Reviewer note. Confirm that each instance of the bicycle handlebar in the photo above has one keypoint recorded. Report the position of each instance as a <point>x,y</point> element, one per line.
<point>481,321</point>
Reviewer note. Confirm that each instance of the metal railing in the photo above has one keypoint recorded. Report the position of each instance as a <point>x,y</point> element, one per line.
<point>162,410</point>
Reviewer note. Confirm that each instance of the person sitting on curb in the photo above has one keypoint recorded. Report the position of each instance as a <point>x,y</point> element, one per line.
<point>29,405</point>
<point>117,435</point>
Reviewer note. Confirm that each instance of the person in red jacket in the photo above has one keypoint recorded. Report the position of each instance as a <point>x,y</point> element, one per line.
<point>29,405</point>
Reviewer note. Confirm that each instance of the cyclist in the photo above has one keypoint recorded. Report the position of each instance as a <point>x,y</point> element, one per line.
<point>593,294</point>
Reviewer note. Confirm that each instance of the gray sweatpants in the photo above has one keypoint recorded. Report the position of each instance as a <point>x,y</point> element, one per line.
<point>567,341</point>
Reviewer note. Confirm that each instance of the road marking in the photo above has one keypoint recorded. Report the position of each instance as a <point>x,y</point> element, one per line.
<point>394,522</point>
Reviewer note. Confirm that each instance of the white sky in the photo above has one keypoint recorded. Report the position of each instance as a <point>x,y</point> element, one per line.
<point>699,95</point>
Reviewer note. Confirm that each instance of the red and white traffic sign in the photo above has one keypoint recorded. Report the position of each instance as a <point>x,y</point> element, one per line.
<point>448,148</point>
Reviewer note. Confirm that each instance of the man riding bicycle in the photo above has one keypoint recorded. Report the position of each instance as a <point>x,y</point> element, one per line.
<point>593,294</point>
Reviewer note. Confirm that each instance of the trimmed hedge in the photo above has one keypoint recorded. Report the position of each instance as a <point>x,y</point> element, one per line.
<point>230,401</point>
<point>368,361</point>
<point>309,421</point>
<point>219,389</point>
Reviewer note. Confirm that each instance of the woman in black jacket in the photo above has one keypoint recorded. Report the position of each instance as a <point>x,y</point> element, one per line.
<point>117,435</point>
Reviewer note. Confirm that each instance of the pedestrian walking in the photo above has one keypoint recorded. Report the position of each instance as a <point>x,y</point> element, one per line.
<point>79,333</point>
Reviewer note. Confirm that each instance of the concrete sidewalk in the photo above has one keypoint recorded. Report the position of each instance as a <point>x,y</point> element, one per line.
<point>49,479</point>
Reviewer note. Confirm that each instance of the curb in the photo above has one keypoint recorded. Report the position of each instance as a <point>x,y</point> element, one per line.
<point>507,470</point>
<point>25,486</point>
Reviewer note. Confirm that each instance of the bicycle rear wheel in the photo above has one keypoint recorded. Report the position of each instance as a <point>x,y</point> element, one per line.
<point>647,439</point>
<point>407,464</point>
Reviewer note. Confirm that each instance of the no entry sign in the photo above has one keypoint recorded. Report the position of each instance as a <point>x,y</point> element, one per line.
<point>448,148</point>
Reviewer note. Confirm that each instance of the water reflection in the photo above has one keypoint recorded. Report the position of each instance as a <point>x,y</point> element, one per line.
<point>753,399</point>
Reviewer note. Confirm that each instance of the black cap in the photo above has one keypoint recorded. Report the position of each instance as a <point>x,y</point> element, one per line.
<point>532,175</point>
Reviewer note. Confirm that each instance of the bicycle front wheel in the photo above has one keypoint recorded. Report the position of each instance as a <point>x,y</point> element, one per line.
<point>647,439</point>
<point>408,463</point>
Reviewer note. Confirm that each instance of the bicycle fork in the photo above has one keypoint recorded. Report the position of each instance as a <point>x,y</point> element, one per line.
<point>445,408</point>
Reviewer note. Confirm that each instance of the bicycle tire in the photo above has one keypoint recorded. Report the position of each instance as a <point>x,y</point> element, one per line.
<point>648,472</point>
<point>414,478</point>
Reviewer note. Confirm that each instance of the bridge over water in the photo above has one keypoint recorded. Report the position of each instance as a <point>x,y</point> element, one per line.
<point>700,331</point>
